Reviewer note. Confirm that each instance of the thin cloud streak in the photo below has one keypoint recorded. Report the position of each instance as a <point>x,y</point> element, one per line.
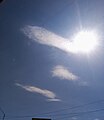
<point>53,100</point>
<point>43,36</point>
<point>48,94</point>
<point>63,73</point>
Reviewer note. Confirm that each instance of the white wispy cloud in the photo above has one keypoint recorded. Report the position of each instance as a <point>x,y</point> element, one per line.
<point>74,118</point>
<point>48,94</point>
<point>43,36</point>
<point>63,73</point>
<point>83,83</point>
<point>96,119</point>
<point>53,100</point>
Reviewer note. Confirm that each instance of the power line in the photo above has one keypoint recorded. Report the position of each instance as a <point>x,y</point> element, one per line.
<point>80,113</point>
<point>67,115</point>
<point>2,113</point>
<point>54,113</point>
<point>73,107</point>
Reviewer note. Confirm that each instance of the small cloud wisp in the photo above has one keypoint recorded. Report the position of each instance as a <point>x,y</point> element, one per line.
<point>48,94</point>
<point>63,73</point>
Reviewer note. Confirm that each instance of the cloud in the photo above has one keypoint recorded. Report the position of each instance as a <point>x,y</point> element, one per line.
<point>48,94</point>
<point>96,119</point>
<point>54,100</point>
<point>43,36</point>
<point>74,118</point>
<point>83,83</point>
<point>63,73</point>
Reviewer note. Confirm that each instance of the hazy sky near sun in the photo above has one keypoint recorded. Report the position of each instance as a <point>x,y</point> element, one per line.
<point>39,72</point>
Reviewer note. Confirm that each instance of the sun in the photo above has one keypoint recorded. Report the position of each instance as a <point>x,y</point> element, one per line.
<point>84,42</point>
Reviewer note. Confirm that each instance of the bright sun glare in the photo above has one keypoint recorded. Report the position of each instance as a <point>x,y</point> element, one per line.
<point>85,41</point>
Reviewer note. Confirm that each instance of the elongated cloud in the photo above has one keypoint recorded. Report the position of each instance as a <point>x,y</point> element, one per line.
<point>63,73</point>
<point>46,37</point>
<point>96,119</point>
<point>48,94</point>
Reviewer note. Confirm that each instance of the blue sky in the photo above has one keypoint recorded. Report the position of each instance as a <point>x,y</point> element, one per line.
<point>39,73</point>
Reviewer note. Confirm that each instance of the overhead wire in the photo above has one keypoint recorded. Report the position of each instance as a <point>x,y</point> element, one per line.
<point>79,113</point>
<point>54,113</point>
<point>67,115</point>
<point>3,117</point>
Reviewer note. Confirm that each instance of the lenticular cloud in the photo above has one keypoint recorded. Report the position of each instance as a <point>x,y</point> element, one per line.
<point>48,94</point>
<point>43,36</point>
<point>63,73</point>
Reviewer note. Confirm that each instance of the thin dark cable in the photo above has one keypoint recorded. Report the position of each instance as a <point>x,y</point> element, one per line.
<point>68,115</point>
<point>1,1</point>
<point>54,112</point>
<point>2,113</point>
<point>73,107</point>
<point>79,113</point>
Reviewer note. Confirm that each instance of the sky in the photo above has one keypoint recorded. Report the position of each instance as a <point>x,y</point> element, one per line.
<point>40,74</point>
